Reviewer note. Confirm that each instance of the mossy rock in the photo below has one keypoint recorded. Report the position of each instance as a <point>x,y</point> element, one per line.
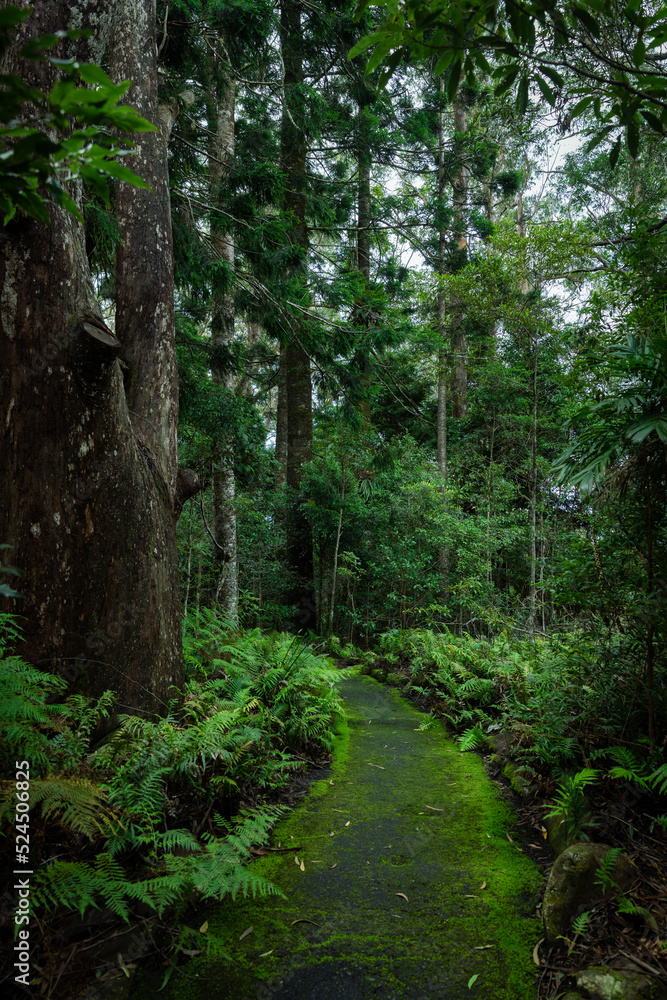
<point>379,675</point>
<point>556,828</point>
<point>395,680</point>
<point>571,885</point>
<point>518,777</point>
<point>604,983</point>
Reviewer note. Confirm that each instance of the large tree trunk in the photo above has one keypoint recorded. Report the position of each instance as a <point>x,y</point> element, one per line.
<point>90,490</point>
<point>222,330</point>
<point>295,359</point>
<point>443,553</point>
<point>361,317</point>
<point>458,337</point>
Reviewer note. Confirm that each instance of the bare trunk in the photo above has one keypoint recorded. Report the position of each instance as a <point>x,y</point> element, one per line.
<point>222,148</point>
<point>443,554</point>
<point>296,359</point>
<point>532,594</point>
<point>281,420</point>
<point>361,316</point>
<point>489,508</point>
<point>334,575</point>
<point>458,336</point>
<point>91,489</point>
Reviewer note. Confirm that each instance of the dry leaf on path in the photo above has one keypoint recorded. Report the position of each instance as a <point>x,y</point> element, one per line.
<point>434,808</point>
<point>265,953</point>
<point>204,927</point>
<point>348,823</point>
<point>334,865</point>
<point>483,885</point>
<point>482,947</point>
<point>402,895</point>
<point>296,860</point>
<point>536,952</point>
<point>302,867</point>
<point>247,931</point>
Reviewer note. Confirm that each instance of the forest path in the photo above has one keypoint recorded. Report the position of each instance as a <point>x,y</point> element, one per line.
<point>402,814</point>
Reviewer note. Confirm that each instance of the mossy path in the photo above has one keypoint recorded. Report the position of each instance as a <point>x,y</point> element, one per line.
<point>410,886</point>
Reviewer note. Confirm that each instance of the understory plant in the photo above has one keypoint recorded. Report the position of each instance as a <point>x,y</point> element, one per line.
<point>140,818</point>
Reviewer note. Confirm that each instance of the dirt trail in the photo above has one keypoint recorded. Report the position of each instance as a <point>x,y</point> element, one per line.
<point>410,886</point>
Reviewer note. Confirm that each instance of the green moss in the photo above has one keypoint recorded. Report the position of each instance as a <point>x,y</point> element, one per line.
<point>411,817</point>
<point>516,779</point>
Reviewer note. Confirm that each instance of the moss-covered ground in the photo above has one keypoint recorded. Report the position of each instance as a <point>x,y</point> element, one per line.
<point>410,885</point>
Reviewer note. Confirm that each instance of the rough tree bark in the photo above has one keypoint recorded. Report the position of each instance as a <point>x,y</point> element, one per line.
<point>458,337</point>
<point>361,316</point>
<point>91,491</point>
<point>295,359</point>
<point>443,553</point>
<point>222,148</point>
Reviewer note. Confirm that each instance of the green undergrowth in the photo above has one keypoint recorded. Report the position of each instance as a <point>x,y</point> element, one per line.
<point>545,709</point>
<point>139,818</point>
<point>365,836</point>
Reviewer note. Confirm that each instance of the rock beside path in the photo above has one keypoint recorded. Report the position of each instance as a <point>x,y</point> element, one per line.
<point>601,982</point>
<point>572,885</point>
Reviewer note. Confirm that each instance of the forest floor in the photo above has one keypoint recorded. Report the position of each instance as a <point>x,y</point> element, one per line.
<point>399,880</point>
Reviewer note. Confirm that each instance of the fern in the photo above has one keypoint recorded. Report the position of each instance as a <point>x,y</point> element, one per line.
<point>604,877</point>
<point>471,739</point>
<point>580,924</point>
<point>658,779</point>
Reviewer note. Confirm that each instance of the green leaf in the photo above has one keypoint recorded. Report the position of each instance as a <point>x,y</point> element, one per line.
<point>454,78</point>
<point>473,980</point>
<point>547,92</point>
<point>588,21</point>
<point>365,43</point>
<point>615,153</point>
<point>632,139</point>
<point>522,95</point>
<point>553,75</point>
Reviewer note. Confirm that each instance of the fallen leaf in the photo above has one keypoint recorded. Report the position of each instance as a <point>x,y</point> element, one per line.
<point>204,927</point>
<point>379,767</point>
<point>402,895</point>
<point>536,952</point>
<point>348,823</point>
<point>434,808</point>
<point>332,834</point>
<point>265,953</point>
<point>296,860</point>
<point>331,782</point>
<point>468,896</point>
<point>483,885</point>
<point>337,810</point>
<point>123,965</point>
<point>545,832</point>
<point>247,931</point>
<point>334,865</point>
<point>489,836</point>
<point>473,980</point>
<point>509,838</point>
<point>302,867</point>
<point>536,846</point>
<point>482,947</point>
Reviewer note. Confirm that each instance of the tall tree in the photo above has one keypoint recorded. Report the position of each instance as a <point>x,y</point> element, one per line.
<point>91,489</point>
<point>223,102</point>
<point>295,360</point>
